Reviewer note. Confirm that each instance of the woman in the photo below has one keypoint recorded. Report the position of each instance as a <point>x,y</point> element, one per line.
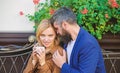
<point>41,58</point>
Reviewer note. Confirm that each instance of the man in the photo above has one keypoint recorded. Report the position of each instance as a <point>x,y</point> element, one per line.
<point>83,51</point>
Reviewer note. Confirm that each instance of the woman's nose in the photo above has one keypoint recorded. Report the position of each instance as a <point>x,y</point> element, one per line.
<point>46,39</point>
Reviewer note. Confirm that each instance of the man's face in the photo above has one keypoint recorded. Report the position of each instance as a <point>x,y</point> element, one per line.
<point>58,29</point>
<point>63,34</point>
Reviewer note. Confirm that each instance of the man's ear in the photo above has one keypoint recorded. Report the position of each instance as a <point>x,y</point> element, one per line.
<point>64,24</point>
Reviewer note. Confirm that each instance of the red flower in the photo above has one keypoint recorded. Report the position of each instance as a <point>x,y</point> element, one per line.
<point>85,11</point>
<point>106,15</point>
<point>52,11</point>
<point>36,2</point>
<point>21,13</point>
<point>113,3</point>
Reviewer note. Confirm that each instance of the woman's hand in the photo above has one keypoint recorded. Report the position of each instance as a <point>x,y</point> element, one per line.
<point>34,57</point>
<point>41,55</point>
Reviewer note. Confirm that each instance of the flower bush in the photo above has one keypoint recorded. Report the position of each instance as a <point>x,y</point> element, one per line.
<point>96,16</point>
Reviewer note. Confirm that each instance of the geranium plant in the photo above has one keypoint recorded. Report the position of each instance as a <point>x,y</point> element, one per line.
<point>96,16</point>
<point>42,11</point>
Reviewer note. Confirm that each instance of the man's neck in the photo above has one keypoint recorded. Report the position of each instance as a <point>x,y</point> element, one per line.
<point>74,32</point>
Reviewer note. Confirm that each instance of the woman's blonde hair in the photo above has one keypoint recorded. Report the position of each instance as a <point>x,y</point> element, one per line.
<point>44,24</point>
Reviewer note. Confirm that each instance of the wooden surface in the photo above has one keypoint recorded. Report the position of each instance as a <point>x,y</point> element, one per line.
<point>110,42</point>
<point>14,38</point>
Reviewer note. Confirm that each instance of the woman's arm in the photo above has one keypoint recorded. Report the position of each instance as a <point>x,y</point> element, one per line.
<point>30,67</point>
<point>47,67</point>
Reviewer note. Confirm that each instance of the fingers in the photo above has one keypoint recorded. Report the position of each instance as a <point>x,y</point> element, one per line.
<point>33,48</point>
<point>38,56</point>
<point>42,48</point>
<point>58,59</point>
<point>33,62</point>
<point>39,50</point>
<point>56,54</point>
<point>64,53</point>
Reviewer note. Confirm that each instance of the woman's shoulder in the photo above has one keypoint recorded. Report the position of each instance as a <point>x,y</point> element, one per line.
<point>58,48</point>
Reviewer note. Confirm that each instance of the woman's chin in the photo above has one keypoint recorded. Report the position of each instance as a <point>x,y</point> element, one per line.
<point>47,45</point>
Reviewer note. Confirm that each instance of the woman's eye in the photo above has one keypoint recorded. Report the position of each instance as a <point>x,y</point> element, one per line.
<point>50,35</point>
<point>42,36</point>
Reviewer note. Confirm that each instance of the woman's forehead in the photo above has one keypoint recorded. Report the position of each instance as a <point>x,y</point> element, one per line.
<point>49,30</point>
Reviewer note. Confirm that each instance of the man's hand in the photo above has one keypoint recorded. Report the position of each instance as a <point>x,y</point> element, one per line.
<point>58,59</point>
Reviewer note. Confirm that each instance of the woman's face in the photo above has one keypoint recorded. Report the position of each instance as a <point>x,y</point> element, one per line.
<point>47,37</point>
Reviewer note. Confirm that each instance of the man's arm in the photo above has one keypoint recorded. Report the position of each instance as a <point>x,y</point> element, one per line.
<point>87,62</point>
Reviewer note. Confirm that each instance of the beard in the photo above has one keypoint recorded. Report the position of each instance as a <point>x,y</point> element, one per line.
<point>65,37</point>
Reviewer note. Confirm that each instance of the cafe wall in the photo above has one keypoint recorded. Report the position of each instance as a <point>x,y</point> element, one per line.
<point>13,15</point>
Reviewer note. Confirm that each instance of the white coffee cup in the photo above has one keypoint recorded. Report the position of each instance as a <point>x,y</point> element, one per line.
<point>40,48</point>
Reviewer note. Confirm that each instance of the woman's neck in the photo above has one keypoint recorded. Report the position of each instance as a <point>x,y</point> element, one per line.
<point>48,49</point>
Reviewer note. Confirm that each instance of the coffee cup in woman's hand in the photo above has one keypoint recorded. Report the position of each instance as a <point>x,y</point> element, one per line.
<point>40,49</point>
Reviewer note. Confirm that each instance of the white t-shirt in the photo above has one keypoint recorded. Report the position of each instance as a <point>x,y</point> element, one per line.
<point>69,49</point>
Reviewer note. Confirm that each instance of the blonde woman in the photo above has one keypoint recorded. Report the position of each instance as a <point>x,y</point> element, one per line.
<point>40,60</point>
